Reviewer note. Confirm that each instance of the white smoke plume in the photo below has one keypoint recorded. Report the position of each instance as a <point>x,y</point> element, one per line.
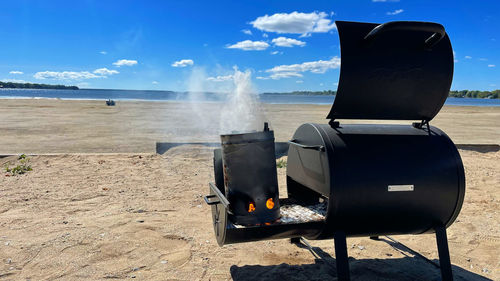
<point>242,111</point>
<point>202,117</point>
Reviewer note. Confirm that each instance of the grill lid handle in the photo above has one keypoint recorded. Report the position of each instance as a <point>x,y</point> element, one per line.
<point>436,28</point>
<point>315,147</point>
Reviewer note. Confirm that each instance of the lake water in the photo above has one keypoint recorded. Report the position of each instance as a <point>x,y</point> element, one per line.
<point>96,94</point>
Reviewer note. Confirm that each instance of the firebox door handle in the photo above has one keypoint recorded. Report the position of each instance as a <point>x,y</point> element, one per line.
<point>209,201</point>
<point>437,30</point>
<point>315,147</point>
<point>221,199</point>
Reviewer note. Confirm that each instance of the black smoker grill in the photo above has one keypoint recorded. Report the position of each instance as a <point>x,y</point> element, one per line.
<point>368,180</point>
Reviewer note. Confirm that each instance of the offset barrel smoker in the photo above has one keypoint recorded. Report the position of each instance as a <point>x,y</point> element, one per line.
<point>370,180</point>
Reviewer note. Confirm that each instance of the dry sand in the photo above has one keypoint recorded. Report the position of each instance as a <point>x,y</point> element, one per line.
<point>142,216</point>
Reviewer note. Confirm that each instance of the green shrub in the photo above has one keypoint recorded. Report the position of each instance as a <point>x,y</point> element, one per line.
<point>22,167</point>
<point>281,163</point>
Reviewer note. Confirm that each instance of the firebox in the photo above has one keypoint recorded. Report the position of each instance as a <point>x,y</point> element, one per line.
<point>362,180</point>
<point>250,179</point>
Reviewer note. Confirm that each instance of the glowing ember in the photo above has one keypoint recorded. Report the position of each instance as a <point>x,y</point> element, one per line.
<point>292,213</point>
<point>251,207</point>
<point>270,203</point>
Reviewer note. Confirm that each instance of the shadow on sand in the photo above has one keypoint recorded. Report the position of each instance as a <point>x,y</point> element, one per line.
<point>281,148</point>
<point>401,269</point>
<point>483,148</point>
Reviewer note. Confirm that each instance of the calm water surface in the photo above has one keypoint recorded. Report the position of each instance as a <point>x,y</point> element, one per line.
<point>96,94</point>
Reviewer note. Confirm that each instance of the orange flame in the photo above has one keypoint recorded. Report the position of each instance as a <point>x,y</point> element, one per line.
<point>251,207</point>
<point>270,203</point>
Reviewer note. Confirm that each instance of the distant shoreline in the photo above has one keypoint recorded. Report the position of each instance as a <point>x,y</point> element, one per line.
<point>455,94</point>
<point>35,86</point>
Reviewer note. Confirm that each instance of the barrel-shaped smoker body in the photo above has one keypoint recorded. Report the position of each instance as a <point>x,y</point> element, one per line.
<point>250,177</point>
<point>375,179</point>
<point>378,179</point>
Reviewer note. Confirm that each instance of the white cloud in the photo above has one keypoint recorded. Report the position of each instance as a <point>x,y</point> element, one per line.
<point>103,52</point>
<point>247,31</point>
<point>265,35</point>
<point>299,81</point>
<point>483,59</point>
<point>249,45</point>
<point>105,72</point>
<point>468,57</point>
<point>320,66</point>
<point>295,22</point>
<point>262,78</point>
<point>75,75</point>
<point>285,74</point>
<point>277,53</point>
<point>66,75</point>
<point>295,70</point>
<point>287,42</point>
<point>154,82</point>
<point>491,65</point>
<point>395,12</point>
<point>14,80</point>
<point>16,72</point>
<point>183,63</point>
<point>125,62</point>
<point>220,78</point>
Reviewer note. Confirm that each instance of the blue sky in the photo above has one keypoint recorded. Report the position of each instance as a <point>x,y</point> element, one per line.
<point>288,45</point>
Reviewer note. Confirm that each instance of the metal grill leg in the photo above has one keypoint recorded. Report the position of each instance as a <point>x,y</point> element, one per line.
<point>341,256</point>
<point>444,254</point>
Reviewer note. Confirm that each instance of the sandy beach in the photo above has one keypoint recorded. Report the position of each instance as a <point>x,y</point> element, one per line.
<point>101,204</point>
<point>64,126</point>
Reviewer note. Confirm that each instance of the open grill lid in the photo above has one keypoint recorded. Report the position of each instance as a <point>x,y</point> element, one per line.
<point>397,71</point>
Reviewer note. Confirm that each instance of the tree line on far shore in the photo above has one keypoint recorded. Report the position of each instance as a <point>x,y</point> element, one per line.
<point>455,94</point>
<point>475,94</point>
<point>12,85</point>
